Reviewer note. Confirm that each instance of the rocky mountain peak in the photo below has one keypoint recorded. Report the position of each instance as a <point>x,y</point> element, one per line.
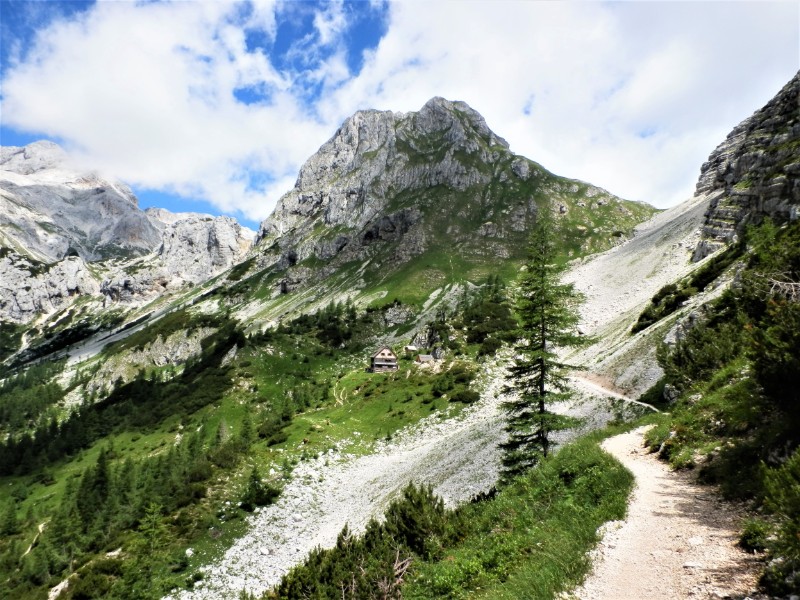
<point>50,209</point>
<point>459,122</point>
<point>46,163</point>
<point>360,135</point>
<point>32,158</point>
<point>55,218</point>
<point>376,153</point>
<point>390,187</point>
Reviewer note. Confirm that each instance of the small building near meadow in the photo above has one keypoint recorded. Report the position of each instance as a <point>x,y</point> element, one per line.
<point>383,360</point>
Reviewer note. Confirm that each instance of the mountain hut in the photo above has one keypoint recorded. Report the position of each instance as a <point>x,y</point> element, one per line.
<point>384,360</point>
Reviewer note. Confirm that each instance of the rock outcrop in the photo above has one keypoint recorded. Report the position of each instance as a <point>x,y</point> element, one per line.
<point>755,172</point>
<point>194,247</point>
<point>173,350</point>
<point>29,288</point>
<point>198,246</point>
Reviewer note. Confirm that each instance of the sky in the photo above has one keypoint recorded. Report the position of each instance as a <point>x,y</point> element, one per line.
<point>214,106</point>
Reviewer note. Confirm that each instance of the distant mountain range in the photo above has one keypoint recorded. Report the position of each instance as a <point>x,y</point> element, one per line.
<point>395,206</point>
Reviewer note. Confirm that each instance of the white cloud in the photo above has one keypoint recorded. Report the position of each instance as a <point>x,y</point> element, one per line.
<point>630,96</point>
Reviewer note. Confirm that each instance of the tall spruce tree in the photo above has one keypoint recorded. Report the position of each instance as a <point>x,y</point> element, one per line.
<point>548,315</point>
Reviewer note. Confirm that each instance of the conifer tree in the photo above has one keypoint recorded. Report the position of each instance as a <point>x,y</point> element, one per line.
<point>9,524</point>
<point>548,316</point>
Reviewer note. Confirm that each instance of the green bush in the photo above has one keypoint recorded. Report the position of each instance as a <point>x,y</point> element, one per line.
<point>783,499</point>
<point>465,396</point>
<point>258,493</point>
<point>755,534</point>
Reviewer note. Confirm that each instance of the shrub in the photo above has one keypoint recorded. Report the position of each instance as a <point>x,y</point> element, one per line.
<point>465,396</point>
<point>258,493</point>
<point>489,347</point>
<point>754,535</point>
<point>783,499</point>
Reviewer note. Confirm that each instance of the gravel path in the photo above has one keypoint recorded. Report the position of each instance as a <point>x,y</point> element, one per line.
<point>678,541</point>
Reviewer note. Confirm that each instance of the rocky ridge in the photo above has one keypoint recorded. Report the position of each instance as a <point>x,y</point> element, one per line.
<point>66,234</point>
<point>194,247</point>
<point>755,172</point>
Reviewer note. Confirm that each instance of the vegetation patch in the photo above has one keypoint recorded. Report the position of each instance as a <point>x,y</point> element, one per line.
<point>180,320</point>
<point>10,339</point>
<point>527,541</point>
<point>672,296</point>
<point>738,415</point>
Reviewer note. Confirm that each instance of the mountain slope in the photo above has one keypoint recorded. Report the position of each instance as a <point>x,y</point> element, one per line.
<point>50,210</point>
<point>77,255</point>
<point>407,205</point>
<point>420,208</point>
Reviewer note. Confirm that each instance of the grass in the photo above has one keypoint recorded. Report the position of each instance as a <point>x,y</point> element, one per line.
<point>531,540</point>
<point>358,409</point>
<point>370,407</point>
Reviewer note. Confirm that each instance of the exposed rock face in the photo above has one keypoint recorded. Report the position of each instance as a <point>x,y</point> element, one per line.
<point>176,349</point>
<point>29,288</point>
<point>54,219</point>
<point>194,248</point>
<point>197,246</point>
<point>388,187</point>
<point>49,210</point>
<point>755,172</point>
<point>349,180</point>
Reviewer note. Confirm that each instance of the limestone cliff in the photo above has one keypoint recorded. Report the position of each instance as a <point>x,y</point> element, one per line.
<point>49,209</point>
<point>55,218</point>
<point>194,247</point>
<point>29,288</point>
<point>755,172</point>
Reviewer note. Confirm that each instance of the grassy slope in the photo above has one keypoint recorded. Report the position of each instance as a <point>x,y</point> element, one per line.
<point>348,408</point>
<point>531,540</point>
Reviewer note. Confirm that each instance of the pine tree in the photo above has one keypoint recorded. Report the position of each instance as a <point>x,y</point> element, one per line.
<point>547,311</point>
<point>257,493</point>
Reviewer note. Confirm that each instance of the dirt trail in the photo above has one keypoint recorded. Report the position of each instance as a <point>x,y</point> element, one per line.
<point>678,541</point>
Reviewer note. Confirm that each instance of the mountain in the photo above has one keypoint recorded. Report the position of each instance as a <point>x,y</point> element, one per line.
<point>67,234</point>
<point>404,204</point>
<point>755,172</point>
<point>50,210</point>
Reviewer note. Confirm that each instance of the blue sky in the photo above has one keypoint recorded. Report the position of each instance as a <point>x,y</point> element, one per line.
<point>214,105</point>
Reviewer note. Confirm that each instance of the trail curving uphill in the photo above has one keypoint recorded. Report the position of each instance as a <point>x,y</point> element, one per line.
<point>678,540</point>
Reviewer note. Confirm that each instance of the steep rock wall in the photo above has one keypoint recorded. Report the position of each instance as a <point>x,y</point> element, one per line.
<point>755,172</point>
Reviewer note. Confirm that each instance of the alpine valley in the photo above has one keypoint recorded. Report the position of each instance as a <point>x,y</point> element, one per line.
<point>186,409</point>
